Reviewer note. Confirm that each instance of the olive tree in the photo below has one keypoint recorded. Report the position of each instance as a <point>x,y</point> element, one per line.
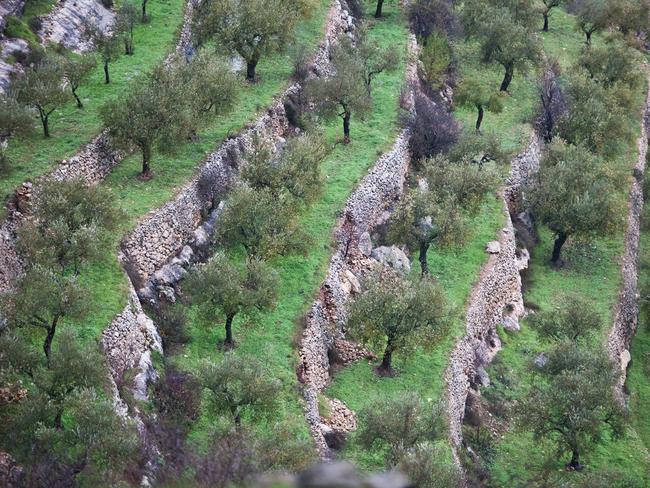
<point>398,425</point>
<point>574,194</point>
<point>77,68</point>
<point>505,30</point>
<point>250,28</point>
<point>547,7</point>
<point>224,288</point>
<point>435,210</point>
<point>65,428</point>
<point>125,21</point>
<point>472,92</point>
<point>41,87</point>
<point>106,44</point>
<point>344,93</point>
<point>612,63</point>
<point>239,386</point>
<point>71,225</point>
<point>575,406</point>
<point>14,117</point>
<point>164,107</point>
<point>41,299</point>
<point>597,116</point>
<point>261,223</point>
<point>591,16</point>
<point>397,315</point>
<point>573,318</point>
<point>295,171</point>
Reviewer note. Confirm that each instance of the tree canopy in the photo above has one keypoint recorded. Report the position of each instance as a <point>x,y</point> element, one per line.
<point>574,194</point>
<point>397,314</point>
<point>250,28</point>
<point>239,387</point>
<point>222,288</point>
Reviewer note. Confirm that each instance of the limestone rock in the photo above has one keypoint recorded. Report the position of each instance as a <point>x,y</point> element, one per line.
<point>392,256</point>
<point>170,274</point>
<point>365,244</point>
<point>540,360</point>
<point>510,323</point>
<point>493,247</point>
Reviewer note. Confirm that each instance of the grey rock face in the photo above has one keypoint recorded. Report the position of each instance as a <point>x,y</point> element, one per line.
<point>392,256</point>
<point>365,244</point>
<point>493,247</point>
<point>540,360</point>
<point>65,24</point>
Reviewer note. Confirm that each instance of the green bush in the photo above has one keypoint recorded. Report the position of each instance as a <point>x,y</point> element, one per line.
<point>436,59</point>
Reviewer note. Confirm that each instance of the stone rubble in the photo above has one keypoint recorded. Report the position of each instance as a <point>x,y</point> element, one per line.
<point>627,308</point>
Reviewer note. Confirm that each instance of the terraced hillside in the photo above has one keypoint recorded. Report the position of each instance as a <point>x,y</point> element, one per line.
<point>405,235</point>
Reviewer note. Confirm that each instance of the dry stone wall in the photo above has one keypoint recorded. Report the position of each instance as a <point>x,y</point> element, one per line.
<point>495,300</point>
<point>626,314</point>
<point>366,208</point>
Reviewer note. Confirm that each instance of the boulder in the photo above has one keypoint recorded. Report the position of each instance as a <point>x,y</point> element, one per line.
<point>392,256</point>
<point>354,285</point>
<point>540,360</point>
<point>365,244</point>
<point>170,274</point>
<point>493,247</point>
<point>510,323</point>
<point>338,474</point>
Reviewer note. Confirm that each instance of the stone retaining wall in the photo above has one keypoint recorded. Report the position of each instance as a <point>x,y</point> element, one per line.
<point>366,208</point>
<point>627,308</point>
<point>495,300</point>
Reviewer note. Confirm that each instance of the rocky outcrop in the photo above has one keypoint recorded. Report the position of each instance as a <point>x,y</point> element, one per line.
<point>495,300</point>
<point>65,24</point>
<point>627,308</point>
<point>9,8</point>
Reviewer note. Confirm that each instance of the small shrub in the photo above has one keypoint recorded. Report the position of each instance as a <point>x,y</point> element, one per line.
<point>231,460</point>
<point>300,58</point>
<point>433,129</point>
<point>107,3</point>
<point>436,58</point>
<point>177,397</point>
<point>35,24</point>
<point>172,323</point>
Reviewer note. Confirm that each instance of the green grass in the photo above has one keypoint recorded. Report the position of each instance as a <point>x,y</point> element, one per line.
<point>593,272</point>
<point>269,337</point>
<point>71,127</point>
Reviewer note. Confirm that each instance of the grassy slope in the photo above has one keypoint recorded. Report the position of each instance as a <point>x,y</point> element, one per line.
<point>594,272</point>
<point>270,336</point>
<point>70,127</point>
<point>456,269</point>
<point>105,279</point>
